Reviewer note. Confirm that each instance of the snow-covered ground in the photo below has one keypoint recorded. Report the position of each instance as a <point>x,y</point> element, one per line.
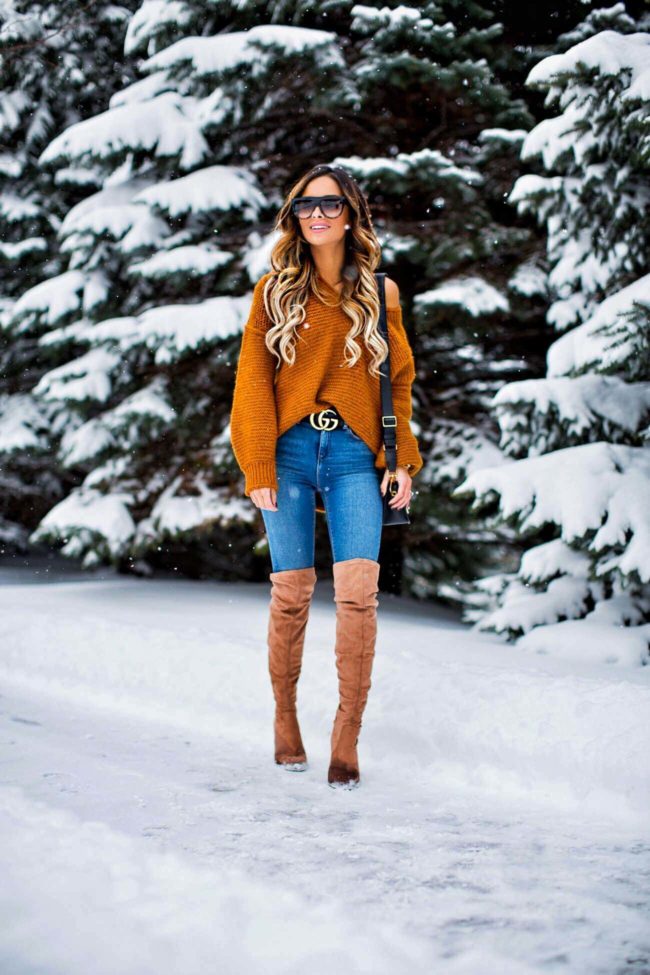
<point>501,826</point>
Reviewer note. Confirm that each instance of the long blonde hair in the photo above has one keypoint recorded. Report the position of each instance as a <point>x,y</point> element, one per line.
<point>294,276</point>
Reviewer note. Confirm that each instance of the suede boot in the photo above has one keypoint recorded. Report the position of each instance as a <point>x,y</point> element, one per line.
<point>355,593</point>
<point>291,593</point>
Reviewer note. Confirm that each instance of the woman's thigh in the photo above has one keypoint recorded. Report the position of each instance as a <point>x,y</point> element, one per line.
<point>290,530</point>
<point>352,498</point>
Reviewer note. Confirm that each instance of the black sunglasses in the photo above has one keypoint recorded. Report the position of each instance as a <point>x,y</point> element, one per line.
<point>331,206</point>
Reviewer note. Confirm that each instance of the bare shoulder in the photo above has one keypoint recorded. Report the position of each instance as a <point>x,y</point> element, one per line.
<point>392,293</point>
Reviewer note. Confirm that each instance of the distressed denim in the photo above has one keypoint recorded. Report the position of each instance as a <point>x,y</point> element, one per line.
<point>341,466</point>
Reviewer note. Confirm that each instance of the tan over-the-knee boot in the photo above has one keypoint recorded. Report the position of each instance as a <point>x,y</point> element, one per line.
<point>291,593</point>
<point>356,584</point>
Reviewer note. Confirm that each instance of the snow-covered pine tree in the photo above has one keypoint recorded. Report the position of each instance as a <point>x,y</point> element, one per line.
<point>176,224</point>
<point>473,285</point>
<point>56,61</point>
<point>168,248</point>
<point>578,484</point>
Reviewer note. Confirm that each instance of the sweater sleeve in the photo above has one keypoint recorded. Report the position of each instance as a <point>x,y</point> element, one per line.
<point>402,376</point>
<point>253,416</point>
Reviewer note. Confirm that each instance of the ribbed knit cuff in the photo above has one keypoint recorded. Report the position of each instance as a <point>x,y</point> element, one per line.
<point>405,456</point>
<point>409,456</point>
<point>260,474</point>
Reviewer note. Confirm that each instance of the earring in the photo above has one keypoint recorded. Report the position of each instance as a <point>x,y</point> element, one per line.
<point>347,226</point>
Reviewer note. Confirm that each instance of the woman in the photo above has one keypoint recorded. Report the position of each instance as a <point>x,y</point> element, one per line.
<point>306,423</point>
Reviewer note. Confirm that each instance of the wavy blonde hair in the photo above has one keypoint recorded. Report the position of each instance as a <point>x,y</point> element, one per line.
<point>294,276</point>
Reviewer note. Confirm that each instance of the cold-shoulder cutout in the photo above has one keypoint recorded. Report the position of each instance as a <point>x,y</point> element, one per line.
<point>392,295</point>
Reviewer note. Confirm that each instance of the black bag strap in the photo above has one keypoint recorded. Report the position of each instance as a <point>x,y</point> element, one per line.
<point>388,419</point>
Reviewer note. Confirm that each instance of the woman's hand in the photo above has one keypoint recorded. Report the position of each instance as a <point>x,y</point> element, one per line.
<point>404,480</point>
<point>265,497</point>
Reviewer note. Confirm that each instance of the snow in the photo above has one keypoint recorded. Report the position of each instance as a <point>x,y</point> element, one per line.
<point>192,260</point>
<point>10,166</point>
<point>596,343</point>
<point>466,450</point>
<point>257,254</point>
<point>86,377</point>
<point>542,562</point>
<point>150,401</point>
<point>174,513</point>
<point>500,828</point>
<point>14,209</point>
<point>580,273</point>
<point>147,232</point>
<point>23,422</point>
<point>555,619</point>
<point>473,294</point>
<point>595,240</point>
<point>239,49</point>
<point>142,90</point>
<point>401,16</point>
<point>118,425</point>
<point>507,136</point>
<point>78,176</point>
<point>109,211</point>
<point>422,166</point>
<point>54,298</point>
<point>20,249</point>
<point>168,331</point>
<point>597,488</point>
<point>394,246</point>
<point>152,17</point>
<point>577,401</point>
<point>529,280</point>
<point>213,188</point>
<point>87,511</point>
<point>554,137</point>
<point>87,441</point>
<point>13,103</point>
<point>608,53</point>
<point>163,126</point>
<point>585,639</point>
<point>172,916</point>
<point>405,18</point>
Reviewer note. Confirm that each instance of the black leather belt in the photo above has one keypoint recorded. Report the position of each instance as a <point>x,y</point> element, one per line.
<point>328,419</point>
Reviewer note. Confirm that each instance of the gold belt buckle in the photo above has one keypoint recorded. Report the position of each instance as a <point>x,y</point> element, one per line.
<point>322,421</point>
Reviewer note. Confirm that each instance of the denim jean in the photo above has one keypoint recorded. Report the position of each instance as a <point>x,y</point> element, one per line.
<point>341,466</point>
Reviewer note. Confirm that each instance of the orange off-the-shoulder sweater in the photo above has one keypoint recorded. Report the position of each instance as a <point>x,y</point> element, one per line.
<point>267,401</point>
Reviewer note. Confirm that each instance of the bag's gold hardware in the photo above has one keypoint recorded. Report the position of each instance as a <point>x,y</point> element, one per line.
<point>390,417</point>
<point>322,421</point>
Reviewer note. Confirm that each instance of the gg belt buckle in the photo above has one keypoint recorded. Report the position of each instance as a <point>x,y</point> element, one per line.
<point>323,421</point>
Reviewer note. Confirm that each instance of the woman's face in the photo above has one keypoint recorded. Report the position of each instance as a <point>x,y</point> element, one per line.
<point>334,227</point>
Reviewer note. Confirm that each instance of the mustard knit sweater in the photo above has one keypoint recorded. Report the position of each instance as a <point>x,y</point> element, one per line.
<point>267,401</point>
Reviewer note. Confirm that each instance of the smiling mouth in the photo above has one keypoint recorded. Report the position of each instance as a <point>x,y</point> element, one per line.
<point>319,226</point>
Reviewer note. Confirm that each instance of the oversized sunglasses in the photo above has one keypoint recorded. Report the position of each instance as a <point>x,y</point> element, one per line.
<point>330,206</point>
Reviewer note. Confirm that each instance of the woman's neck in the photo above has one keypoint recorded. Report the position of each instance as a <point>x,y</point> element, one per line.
<point>329,262</point>
<point>334,286</point>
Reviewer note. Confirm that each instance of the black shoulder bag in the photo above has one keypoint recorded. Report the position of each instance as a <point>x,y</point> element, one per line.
<point>391,516</point>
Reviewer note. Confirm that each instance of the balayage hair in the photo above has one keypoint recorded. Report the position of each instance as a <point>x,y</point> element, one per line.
<point>294,276</point>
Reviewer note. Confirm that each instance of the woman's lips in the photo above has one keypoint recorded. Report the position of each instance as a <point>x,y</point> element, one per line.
<point>319,230</point>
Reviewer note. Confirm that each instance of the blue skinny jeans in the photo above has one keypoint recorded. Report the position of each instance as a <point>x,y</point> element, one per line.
<point>342,467</point>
